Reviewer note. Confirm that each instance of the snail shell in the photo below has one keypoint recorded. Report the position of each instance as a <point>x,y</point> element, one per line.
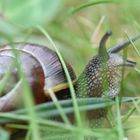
<point>42,69</point>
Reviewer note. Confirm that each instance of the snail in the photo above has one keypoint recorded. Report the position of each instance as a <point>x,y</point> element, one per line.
<point>43,70</point>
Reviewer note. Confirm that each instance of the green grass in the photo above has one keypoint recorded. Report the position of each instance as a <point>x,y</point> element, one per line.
<point>72,34</point>
<point>68,78</point>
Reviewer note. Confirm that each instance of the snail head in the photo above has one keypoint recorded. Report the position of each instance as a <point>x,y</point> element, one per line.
<point>103,72</point>
<point>111,56</point>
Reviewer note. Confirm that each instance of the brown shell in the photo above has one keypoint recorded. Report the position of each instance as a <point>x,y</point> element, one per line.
<point>34,74</point>
<point>42,67</point>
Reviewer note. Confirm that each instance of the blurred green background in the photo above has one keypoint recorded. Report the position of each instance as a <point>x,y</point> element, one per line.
<point>76,26</point>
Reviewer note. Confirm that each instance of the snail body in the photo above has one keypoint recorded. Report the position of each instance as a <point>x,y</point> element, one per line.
<point>43,70</point>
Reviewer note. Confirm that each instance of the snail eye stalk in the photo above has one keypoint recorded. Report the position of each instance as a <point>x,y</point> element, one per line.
<point>102,47</point>
<point>123,44</point>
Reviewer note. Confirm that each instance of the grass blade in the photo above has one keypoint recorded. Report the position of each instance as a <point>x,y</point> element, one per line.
<point>119,122</point>
<point>91,3</point>
<point>72,91</point>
